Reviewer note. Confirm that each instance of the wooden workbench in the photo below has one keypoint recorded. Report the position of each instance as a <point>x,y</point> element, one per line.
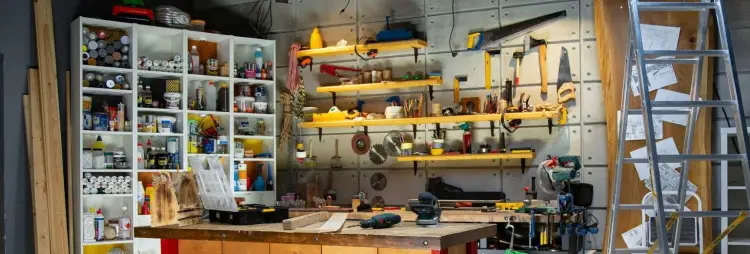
<point>406,237</point>
<point>448,216</point>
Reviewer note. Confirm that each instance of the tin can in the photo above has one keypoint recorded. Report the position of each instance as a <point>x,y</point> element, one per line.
<point>208,145</point>
<point>100,121</point>
<point>87,121</point>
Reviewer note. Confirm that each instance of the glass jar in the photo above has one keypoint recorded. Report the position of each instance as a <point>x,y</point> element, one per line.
<point>119,160</point>
<point>87,158</point>
<point>109,160</point>
<point>99,161</point>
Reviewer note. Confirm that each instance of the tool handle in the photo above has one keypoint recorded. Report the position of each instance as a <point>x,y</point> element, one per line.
<point>517,78</point>
<point>543,66</point>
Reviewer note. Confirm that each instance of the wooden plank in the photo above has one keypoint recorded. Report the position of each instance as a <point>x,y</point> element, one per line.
<point>334,223</point>
<point>381,47</point>
<point>245,248</point>
<point>69,175</point>
<point>298,222</point>
<point>448,216</point>
<point>45,42</point>
<point>431,120</point>
<point>379,86</point>
<point>458,157</point>
<point>199,247</point>
<point>37,166</point>
<point>402,251</point>
<point>328,249</point>
<point>611,19</point>
<point>295,249</point>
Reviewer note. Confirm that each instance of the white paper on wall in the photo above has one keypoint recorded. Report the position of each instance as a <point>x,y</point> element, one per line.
<point>667,95</point>
<point>670,181</point>
<point>657,38</point>
<point>634,237</point>
<point>663,147</point>
<point>635,129</point>
<point>659,75</point>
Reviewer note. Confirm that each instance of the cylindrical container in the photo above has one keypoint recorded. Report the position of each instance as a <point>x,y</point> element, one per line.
<point>87,120</point>
<point>244,104</point>
<point>239,150</point>
<point>119,160</point>
<point>242,173</point>
<point>173,100</point>
<point>438,143</point>
<point>378,76</point>
<point>86,104</point>
<point>166,124</point>
<point>467,142</point>
<point>367,77</point>
<point>98,159</point>
<point>109,161</point>
<point>261,127</point>
<point>387,75</point>
<point>307,113</point>
<point>261,107</point>
<point>406,149</point>
<point>87,158</point>
<point>101,121</point>
<point>373,76</point>
<point>209,145</point>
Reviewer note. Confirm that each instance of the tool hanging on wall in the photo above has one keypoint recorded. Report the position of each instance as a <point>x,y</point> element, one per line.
<point>336,159</point>
<point>530,43</point>
<point>518,56</point>
<point>311,160</point>
<point>378,155</point>
<point>333,70</point>
<point>566,90</point>
<point>457,87</point>
<point>360,143</point>
<point>392,143</point>
<point>476,40</point>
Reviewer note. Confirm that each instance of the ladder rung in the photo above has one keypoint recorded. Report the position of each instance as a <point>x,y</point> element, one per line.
<point>694,157</point>
<point>675,6</point>
<point>677,53</point>
<point>659,112</point>
<point>636,250</point>
<point>672,61</point>
<point>702,104</point>
<point>703,214</point>
<point>642,206</point>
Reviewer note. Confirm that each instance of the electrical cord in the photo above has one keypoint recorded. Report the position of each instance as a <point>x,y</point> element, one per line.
<point>726,117</point>
<point>453,26</point>
<point>270,15</point>
<point>347,6</point>
<point>365,43</point>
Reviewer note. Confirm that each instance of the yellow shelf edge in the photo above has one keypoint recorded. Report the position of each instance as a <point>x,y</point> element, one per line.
<point>459,157</point>
<point>380,46</point>
<point>379,86</point>
<point>431,120</point>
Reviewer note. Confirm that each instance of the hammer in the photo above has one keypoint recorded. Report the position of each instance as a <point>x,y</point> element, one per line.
<point>518,56</point>
<point>529,43</point>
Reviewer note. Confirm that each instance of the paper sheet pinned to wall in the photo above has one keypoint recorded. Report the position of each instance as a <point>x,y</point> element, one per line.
<point>670,181</point>
<point>659,75</point>
<point>667,95</point>
<point>663,147</point>
<point>635,130</point>
<point>634,237</point>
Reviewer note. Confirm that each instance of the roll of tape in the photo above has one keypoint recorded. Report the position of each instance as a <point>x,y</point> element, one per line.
<point>119,79</point>
<point>125,40</point>
<point>110,84</point>
<point>116,64</point>
<point>91,61</point>
<point>86,56</point>
<point>90,76</point>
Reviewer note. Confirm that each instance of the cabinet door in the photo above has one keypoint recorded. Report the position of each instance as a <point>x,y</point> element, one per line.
<point>245,248</point>
<point>346,250</point>
<point>277,248</point>
<point>199,247</point>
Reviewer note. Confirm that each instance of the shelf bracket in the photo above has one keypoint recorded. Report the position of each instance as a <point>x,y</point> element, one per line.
<point>416,55</point>
<point>366,131</point>
<point>333,95</point>
<point>414,130</point>
<point>415,167</point>
<point>492,128</point>
<point>549,125</point>
<point>432,95</point>
<point>523,166</point>
<point>320,134</point>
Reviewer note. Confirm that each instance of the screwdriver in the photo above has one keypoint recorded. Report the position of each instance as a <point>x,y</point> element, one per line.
<point>385,220</point>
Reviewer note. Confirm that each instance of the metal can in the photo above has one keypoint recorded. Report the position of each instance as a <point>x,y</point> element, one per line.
<point>87,121</point>
<point>208,145</point>
<point>100,121</point>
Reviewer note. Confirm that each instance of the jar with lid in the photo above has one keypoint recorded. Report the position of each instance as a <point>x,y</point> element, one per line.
<point>98,158</point>
<point>119,160</point>
<point>87,159</point>
<point>109,161</point>
<point>261,128</point>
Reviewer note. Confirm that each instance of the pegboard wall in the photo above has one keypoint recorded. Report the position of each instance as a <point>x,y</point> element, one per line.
<point>583,135</point>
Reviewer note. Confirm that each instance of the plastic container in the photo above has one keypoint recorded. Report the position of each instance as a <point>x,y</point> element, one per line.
<point>87,158</point>
<point>261,107</point>
<point>211,96</point>
<point>394,112</point>
<point>166,123</point>
<point>173,100</point>
<point>244,104</point>
<point>259,58</point>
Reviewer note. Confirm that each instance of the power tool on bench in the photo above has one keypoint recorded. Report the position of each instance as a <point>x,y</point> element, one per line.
<point>427,209</point>
<point>385,220</point>
<point>555,172</point>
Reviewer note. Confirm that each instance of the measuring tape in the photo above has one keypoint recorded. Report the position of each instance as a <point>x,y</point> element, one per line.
<point>671,222</point>
<point>735,223</point>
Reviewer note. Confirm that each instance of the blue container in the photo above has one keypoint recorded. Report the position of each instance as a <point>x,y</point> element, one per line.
<point>87,121</point>
<point>101,122</point>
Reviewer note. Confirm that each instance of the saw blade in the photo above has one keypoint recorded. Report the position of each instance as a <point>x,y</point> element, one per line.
<point>563,74</point>
<point>378,154</point>
<point>392,143</point>
<point>360,143</point>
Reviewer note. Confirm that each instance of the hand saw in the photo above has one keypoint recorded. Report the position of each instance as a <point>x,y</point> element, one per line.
<point>476,40</point>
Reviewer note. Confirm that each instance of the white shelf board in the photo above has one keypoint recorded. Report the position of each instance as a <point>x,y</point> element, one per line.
<point>253,81</point>
<point>198,77</point>
<point>255,159</point>
<point>253,115</point>
<point>159,170</point>
<point>98,170</point>
<point>159,134</point>
<point>159,110</point>
<point>159,74</point>
<point>107,195</point>
<point>736,188</point>
<point>207,155</point>
<point>106,69</point>
<point>104,23</point>
<point>254,137</point>
<point>204,36</point>
<point>113,133</point>
<point>251,192</point>
<point>204,112</point>
<point>105,91</point>
<point>108,242</point>
<point>739,241</point>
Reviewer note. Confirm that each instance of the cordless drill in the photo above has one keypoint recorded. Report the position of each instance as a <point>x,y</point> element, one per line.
<point>385,220</point>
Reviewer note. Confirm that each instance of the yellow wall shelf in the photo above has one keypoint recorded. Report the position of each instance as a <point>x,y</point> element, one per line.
<point>379,86</point>
<point>459,157</point>
<point>363,48</point>
<point>431,120</point>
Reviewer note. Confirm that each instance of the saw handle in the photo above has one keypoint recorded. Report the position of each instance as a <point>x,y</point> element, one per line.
<point>543,66</point>
<point>566,92</point>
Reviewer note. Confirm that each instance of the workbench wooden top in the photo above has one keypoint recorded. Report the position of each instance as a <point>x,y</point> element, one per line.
<point>406,235</point>
<point>448,216</point>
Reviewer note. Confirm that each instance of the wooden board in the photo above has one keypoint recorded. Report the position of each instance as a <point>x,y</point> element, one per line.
<point>199,247</point>
<point>402,251</point>
<point>327,249</point>
<point>295,249</point>
<point>45,42</point>
<point>334,223</point>
<point>448,216</point>
<point>381,47</point>
<point>403,235</point>
<point>245,248</point>
<point>458,157</point>
<point>36,166</point>
<point>298,222</point>
<point>379,86</point>
<point>69,165</point>
<point>611,18</point>
<point>431,120</point>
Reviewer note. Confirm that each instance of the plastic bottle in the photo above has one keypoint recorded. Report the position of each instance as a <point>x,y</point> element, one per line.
<point>146,207</point>
<point>259,58</point>
<point>210,96</point>
<point>98,144</point>
<point>124,224</point>
<point>269,183</point>
<point>316,41</point>
<point>89,228</point>
<point>99,225</point>
<point>141,153</point>
<point>224,98</point>
<point>140,94</point>
<point>195,60</point>
<point>147,97</point>
<point>259,184</point>
<point>200,98</point>
<point>150,160</point>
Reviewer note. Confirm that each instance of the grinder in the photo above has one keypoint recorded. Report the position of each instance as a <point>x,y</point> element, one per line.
<point>427,209</point>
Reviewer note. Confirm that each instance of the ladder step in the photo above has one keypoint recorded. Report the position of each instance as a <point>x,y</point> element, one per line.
<point>677,53</point>
<point>672,61</point>
<point>702,104</point>
<point>642,206</point>
<point>694,157</point>
<point>675,6</point>
<point>658,112</point>
<point>636,250</point>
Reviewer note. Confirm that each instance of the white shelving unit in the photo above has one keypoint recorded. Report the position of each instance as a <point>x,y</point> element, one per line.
<point>725,191</point>
<point>161,43</point>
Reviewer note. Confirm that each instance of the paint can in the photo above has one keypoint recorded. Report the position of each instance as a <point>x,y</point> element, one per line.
<point>100,121</point>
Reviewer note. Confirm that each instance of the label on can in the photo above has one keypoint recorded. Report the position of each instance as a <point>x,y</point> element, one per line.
<point>208,146</point>
<point>87,121</point>
<point>101,121</point>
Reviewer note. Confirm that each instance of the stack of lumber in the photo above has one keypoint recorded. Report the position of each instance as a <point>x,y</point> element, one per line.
<point>44,142</point>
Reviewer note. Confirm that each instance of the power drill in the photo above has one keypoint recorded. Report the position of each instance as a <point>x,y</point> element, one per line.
<point>385,220</point>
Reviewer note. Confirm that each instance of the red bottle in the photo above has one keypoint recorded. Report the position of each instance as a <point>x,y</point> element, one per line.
<point>145,209</point>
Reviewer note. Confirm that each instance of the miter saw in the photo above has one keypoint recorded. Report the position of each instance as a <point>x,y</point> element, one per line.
<point>555,173</point>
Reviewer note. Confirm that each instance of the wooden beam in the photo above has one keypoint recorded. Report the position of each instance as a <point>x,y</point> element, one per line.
<point>69,165</point>
<point>538,115</point>
<point>45,42</point>
<point>334,224</point>
<point>34,143</point>
<point>298,222</point>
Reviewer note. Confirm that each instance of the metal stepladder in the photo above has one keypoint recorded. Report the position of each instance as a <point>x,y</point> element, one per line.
<point>696,58</point>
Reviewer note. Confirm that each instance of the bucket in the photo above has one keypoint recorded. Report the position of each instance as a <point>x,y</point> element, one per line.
<point>173,100</point>
<point>166,123</point>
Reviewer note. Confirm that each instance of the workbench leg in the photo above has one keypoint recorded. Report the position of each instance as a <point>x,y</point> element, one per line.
<point>169,246</point>
<point>443,251</point>
<point>472,247</point>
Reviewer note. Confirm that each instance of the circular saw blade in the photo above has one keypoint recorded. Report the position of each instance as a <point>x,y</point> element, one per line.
<point>392,143</point>
<point>360,143</point>
<point>378,154</point>
<point>545,181</point>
